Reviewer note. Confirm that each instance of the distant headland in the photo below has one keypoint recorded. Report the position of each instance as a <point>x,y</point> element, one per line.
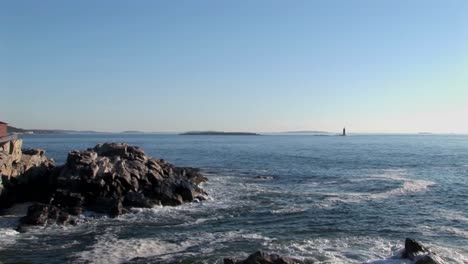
<point>218,133</point>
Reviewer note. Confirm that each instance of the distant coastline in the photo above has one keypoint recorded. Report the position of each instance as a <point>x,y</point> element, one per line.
<point>16,130</point>
<point>218,133</point>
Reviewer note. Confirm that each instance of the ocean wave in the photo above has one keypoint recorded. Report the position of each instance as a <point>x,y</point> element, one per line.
<point>443,230</point>
<point>452,215</point>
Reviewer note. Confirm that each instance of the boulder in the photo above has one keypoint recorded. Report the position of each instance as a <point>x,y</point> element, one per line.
<point>263,258</point>
<point>112,177</point>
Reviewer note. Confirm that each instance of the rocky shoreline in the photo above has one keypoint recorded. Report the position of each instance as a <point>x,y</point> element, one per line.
<point>108,179</point>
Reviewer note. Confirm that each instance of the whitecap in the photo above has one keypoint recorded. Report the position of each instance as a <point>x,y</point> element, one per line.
<point>288,210</point>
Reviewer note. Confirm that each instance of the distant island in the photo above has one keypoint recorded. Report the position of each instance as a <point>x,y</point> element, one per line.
<point>218,133</point>
<point>132,132</point>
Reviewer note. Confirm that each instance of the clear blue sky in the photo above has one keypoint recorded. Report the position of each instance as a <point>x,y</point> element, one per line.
<point>373,66</point>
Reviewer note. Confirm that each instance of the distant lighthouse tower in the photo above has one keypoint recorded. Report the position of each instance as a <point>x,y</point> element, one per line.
<point>344,131</point>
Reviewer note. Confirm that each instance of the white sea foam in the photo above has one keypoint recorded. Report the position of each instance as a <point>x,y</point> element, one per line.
<point>368,250</point>
<point>340,250</point>
<point>110,249</point>
<point>288,210</point>
<point>409,186</point>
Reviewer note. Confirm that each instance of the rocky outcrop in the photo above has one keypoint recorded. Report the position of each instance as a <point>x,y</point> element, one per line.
<point>418,253</point>
<point>263,258</point>
<point>42,214</point>
<point>112,177</point>
<point>25,174</point>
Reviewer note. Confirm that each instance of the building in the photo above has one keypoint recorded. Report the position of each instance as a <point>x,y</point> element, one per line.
<point>4,136</point>
<point>3,129</point>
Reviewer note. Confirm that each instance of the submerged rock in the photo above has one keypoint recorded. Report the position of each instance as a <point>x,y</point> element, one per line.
<point>263,258</point>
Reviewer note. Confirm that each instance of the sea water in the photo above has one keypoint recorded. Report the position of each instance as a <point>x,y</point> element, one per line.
<point>326,199</point>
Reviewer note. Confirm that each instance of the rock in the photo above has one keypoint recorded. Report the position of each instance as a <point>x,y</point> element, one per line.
<point>413,249</point>
<point>63,218</point>
<point>420,254</point>
<point>71,202</point>
<point>120,172</point>
<point>26,174</point>
<point>135,199</point>
<point>429,259</point>
<point>107,179</point>
<point>110,206</point>
<point>37,215</point>
<point>42,214</point>
<point>263,258</point>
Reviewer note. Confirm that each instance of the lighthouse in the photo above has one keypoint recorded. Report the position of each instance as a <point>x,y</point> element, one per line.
<point>344,131</point>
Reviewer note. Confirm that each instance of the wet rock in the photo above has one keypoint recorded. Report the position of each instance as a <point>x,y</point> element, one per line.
<point>429,259</point>
<point>41,214</point>
<point>415,251</point>
<point>263,258</point>
<point>37,215</point>
<point>110,206</point>
<point>135,199</point>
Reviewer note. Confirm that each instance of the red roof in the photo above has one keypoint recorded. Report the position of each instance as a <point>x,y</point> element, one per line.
<point>3,123</point>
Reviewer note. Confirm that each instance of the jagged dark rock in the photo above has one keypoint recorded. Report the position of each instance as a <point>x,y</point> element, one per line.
<point>415,251</point>
<point>42,214</point>
<point>264,258</point>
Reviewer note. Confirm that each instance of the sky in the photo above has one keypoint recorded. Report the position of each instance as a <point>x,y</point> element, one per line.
<point>264,66</point>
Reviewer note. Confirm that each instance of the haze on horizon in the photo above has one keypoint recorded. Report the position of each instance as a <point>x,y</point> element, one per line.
<point>261,66</point>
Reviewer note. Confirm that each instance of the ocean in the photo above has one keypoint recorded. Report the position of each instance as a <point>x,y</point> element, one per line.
<point>327,199</point>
